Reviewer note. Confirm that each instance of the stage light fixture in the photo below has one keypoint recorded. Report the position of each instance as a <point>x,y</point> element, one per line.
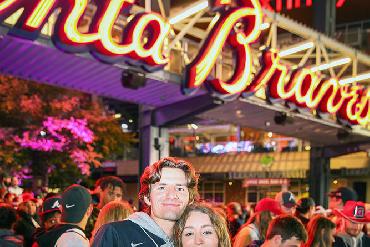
<point>133,79</point>
<point>281,118</point>
<point>342,135</point>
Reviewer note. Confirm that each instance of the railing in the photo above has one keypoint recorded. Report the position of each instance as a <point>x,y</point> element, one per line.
<point>355,34</point>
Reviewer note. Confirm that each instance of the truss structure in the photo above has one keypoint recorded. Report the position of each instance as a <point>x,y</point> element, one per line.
<point>300,45</point>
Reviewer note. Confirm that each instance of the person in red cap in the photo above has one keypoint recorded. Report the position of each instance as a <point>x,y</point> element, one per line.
<point>28,220</point>
<point>256,227</point>
<point>353,217</point>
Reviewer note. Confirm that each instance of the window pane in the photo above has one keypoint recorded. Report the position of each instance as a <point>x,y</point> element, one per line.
<point>219,187</point>
<point>208,196</point>
<point>208,187</point>
<point>252,196</point>
<point>219,197</point>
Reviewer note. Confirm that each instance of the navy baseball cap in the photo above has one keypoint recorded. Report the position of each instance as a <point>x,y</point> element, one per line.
<point>76,199</point>
<point>286,198</point>
<point>51,204</point>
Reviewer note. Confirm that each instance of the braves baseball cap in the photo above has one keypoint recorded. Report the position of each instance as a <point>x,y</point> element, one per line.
<point>51,204</point>
<point>286,198</point>
<point>76,199</point>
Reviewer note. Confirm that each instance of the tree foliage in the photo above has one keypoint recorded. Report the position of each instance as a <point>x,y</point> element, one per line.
<point>52,130</point>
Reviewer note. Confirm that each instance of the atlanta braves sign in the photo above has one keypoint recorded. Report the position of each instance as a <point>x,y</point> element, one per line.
<point>145,34</point>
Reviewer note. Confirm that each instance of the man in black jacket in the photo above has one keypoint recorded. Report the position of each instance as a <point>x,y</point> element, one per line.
<point>167,187</point>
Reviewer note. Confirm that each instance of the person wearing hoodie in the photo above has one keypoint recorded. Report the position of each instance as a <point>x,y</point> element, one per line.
<point>353,216</point>
<point>166,188</point>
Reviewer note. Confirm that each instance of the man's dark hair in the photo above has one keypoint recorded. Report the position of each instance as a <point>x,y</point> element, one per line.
<point>108,181</point>
<point>8,216</point>
<point>305,204</point>
<point>287,227</point>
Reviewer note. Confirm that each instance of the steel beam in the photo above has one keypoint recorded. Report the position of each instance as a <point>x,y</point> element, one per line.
<point>170,114</point>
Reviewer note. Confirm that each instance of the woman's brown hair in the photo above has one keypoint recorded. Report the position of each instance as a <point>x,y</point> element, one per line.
<point>218,222</point>
<point>319,231</point>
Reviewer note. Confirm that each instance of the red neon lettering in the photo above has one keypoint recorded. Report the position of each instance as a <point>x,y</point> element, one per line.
<point>266,5</point>
<point>197,71</point>
<point>306,89</point>
<point>279,5</point>
<point>238,27</point>
<point>297,3</point>
<point>136,44</point>
<point>340,3</point>
<point>308,3</point>
<point>289,4</point>
<point>34,15</point>
<point>219,3</point>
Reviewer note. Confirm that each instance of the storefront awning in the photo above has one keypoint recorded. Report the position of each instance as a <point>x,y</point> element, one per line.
<point>287,164</point>
<point>250,165</point>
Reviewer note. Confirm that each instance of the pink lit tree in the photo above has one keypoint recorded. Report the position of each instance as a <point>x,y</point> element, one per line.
<point>60,134</point>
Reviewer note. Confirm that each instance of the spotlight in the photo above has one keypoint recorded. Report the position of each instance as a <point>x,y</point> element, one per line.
<point>281,118</point>
<point>133,79</point>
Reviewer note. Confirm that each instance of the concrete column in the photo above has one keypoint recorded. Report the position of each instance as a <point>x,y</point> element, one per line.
<point>153,141</point>
<point>319,176</point>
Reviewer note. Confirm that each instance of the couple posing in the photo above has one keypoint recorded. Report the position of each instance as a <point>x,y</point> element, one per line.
<point>169,189</point>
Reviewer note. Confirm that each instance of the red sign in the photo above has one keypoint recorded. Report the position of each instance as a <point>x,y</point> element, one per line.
<point>143,40</point>
<point>291,4</point>
<point>265,182</point>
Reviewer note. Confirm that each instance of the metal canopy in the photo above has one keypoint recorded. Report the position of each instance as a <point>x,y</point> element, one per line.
<point>41,63</point>
<point>305,127</point>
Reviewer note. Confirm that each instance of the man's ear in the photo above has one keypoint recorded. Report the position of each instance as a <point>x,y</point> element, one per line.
<point>276,240</point>
<point>147,200</point>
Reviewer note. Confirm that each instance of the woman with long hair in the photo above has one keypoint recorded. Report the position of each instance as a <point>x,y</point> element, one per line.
<point>201,225</point>
<point>111,212</point>
<point>320,232</point>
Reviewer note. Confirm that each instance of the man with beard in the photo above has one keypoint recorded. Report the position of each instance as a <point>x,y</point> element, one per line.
<point>167,187</point>
<point>353,217</point>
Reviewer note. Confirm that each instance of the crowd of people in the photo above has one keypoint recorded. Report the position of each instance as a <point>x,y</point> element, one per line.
<point>172,214</point>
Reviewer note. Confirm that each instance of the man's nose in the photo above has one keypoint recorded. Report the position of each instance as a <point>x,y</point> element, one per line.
<point>171,192</point>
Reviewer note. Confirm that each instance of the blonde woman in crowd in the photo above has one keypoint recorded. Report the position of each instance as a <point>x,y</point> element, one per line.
<point>111,212</point>
<point>201,225</point>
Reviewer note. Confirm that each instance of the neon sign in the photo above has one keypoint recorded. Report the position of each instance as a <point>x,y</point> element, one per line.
<point>278,5</point>
<point>144,36</point>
